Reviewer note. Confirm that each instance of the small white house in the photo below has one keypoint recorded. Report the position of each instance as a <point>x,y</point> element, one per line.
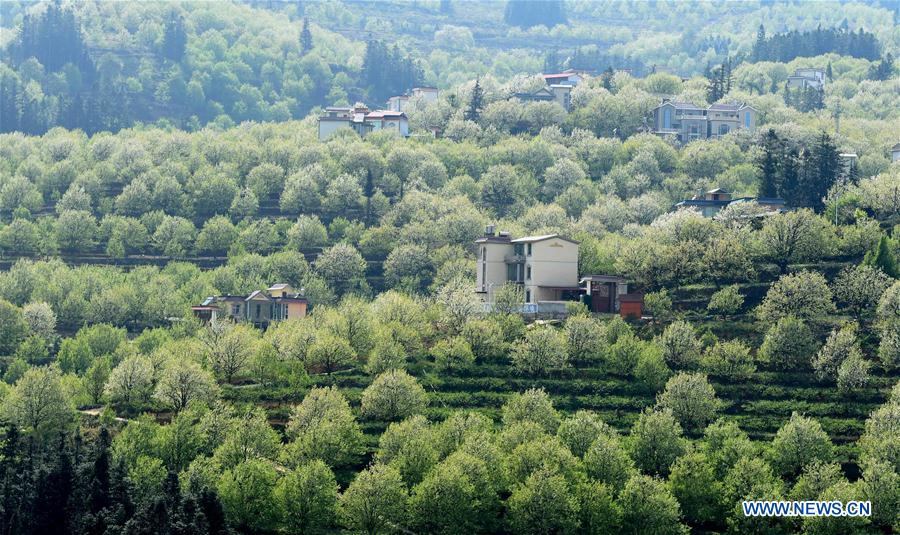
<point>427,94</point>
<point>398,103</point>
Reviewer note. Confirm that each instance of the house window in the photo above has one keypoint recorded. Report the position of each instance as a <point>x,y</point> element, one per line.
<point>529,249</point>
<point>258,308</point>
<point>667,118</point>
<point>235,310</point>
<point>527,296</point>
<point>484,253</point>
<point>723,129</point>
<point>528,271</point>
<point>747,120</point>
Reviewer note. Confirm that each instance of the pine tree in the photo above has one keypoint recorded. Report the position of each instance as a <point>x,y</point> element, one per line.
<point>759,48</point>
<point>820,170</point>
<point>882,257</point>
<point>789,180</point>
<point>884,69</point>
<point>829,73</point>
<point>306,41</point>
<point>174,37</point>
<point>476,102</point>
<point>768,165</point>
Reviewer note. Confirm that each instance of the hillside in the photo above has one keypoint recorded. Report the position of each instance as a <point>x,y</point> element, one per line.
<point>625,298</point>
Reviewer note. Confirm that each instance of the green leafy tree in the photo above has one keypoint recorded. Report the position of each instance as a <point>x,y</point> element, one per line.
<point>694,484</point>
<point>543,349</point>
<point>247,496</point>
<point>726,302</point>
<point>649,507</point>
<point>38,403</point>
<point>656,441</point>
<point>323,428</point>
<point>453,354</point>
<point>804,295</point>
<point>608,462</point>
<point>681,349</point>
<point>544,503</point>
<point>789,344</point>
<point>730,359</point>
<point>840,345</point>
<point>393,395</point>
<point>376,501</point>
<point>798,443</point>
<point>533,405</point>
<point>329,354</point>
<point>691,400</point>
<point>183,382</point>
<point>307,498</point>
<point>580,430</point>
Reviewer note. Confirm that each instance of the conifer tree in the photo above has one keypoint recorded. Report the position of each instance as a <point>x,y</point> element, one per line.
<point>476,102</point>
<point>306,41</point>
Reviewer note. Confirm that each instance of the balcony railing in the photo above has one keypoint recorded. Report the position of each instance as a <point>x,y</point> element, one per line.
<point>514,259</point>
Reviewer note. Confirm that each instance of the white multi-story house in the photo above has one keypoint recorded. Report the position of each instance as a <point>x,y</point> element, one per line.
<point>398,103</point>
<point>545,266</point>
<point>427,94</point>
<point>806,78</point>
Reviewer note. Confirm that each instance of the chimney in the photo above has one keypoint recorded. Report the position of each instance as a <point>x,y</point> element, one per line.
<point>489,230</point>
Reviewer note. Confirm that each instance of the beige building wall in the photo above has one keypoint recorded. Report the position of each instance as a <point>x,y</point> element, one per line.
<point>553,262</point>
<point>491,266</point>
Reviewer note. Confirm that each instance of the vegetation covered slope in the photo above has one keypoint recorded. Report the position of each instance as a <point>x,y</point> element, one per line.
<point>767,367</point>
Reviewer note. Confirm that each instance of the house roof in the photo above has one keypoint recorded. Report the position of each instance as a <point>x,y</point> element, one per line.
<point>280,286</point>
<point>702,202</point>
<point>559,75</point>
<point>533,239</point>
<point>717,190</point>
<point>493,239</point>
<point>383,114</point>
<point>895,147</point>
<point>425,88</point>
<point>258,295</point>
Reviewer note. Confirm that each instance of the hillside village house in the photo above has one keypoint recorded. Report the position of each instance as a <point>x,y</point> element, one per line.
<point>807,78</point>
<point>559,88</point>
<point>546,267</point>
<point>427,94</point>
<point>398,103</point>
<point>712,201</point>
<point>361,120</point>
<point>895,153</point>
<point>261,307</point>
<point>689,122</point>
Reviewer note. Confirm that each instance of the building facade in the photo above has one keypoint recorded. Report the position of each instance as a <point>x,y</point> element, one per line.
<point>709,203</point>
<point>361,120</point>
<point>807,78</point>
<point>261,307</point>
<point>689,122</point>
<point>545,266</point>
